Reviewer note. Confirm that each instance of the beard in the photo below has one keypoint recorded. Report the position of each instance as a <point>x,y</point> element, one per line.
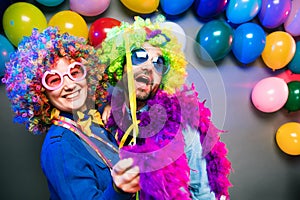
<point>143,94</point>
<point>146,85</point>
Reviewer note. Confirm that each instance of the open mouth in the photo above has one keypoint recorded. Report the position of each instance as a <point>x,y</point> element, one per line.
<point>143,79</point>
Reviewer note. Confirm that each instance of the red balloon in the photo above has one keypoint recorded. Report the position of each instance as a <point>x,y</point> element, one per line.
<point>99,29</point>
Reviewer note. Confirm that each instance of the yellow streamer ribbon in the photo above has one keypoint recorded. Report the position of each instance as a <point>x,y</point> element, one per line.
<point>54,113</point>
<point>131,94</point>
<point>126,134</point>
<point>94,116</point>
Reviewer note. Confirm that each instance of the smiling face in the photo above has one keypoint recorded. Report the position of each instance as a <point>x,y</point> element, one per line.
<point>146,77</point>
<point>72,95</point>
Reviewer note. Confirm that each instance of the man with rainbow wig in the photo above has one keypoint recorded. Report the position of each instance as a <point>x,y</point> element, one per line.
<point>157,119</point>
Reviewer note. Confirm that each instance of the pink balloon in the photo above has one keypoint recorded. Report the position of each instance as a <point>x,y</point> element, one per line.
<point>89,7</point>
<point>292,24</point>
<point>270,94</point>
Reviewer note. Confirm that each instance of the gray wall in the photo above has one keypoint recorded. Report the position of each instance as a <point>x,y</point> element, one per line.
<point>260,170</point>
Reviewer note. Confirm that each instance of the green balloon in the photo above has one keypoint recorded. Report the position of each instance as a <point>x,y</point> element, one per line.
<point>214,40</point>
<point>293,101</point>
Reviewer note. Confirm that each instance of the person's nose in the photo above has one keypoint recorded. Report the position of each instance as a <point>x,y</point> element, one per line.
<point>148,65</point>
<point>68,84</point>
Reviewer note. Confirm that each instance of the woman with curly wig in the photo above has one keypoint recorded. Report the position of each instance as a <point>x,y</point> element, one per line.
<point>157,119</point>
<point>54,81</point>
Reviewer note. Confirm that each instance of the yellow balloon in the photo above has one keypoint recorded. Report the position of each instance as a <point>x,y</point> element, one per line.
<point>19,19</point>
<point>141,6</point>
<point>70,22</point>
<point>288,138</point>
<point>279,50</point>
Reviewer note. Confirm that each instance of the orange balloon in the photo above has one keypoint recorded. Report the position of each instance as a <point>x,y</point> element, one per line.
<point>141,6</point>
<point>71,22</point>
<point>288,138</point>
<point>279,50</point>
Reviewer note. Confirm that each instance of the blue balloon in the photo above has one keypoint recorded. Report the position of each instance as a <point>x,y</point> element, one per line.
<point>294,65</point>
<point>50,2</point>
<point>209,8</point>
<point>249,42</point>
<point>175,7</point>
<point>5,49</point>
<point>214,40</point>
<point>274,13</point>
<point>241,11</point>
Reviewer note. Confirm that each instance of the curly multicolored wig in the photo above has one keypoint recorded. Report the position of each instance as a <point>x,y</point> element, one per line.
<point>37,54</point>
<point>112,51</point>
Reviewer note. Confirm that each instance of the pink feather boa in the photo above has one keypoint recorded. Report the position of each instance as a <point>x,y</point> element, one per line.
<point>160,147</point>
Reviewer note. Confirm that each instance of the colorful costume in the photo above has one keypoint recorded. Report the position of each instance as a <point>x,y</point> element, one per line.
<point>169,167</point>
<point>73,168</point>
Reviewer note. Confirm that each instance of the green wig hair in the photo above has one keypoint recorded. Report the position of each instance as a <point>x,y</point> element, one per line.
<point>112,51</point>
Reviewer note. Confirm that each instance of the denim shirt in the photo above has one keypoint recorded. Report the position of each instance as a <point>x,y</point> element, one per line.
<point>72,171</point>
<point>199,185</point>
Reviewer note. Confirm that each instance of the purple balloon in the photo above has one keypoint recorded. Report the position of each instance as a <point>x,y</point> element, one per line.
<point>273,13</point>
<point>292,24</point>
<point>209,8</point>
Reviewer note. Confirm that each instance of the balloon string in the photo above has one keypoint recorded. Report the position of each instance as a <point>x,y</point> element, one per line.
<point>131,90</point>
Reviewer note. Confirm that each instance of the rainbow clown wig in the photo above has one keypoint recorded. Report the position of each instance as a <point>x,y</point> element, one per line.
<point>37,54</point>
<point>113,50</point>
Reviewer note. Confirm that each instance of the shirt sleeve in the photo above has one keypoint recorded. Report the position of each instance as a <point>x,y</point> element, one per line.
<point>72,177</point>
<point>199,185</point>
